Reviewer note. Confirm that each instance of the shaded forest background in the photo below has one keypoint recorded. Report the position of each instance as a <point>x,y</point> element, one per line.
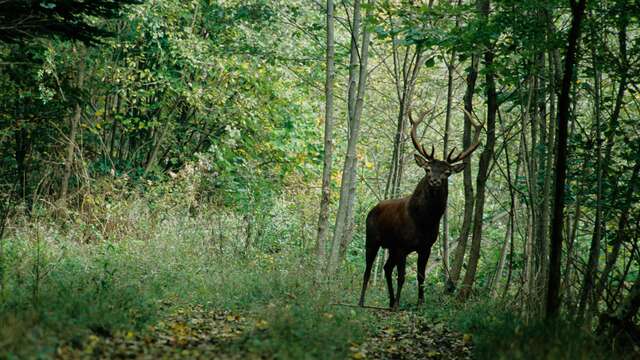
<point>160,154</point>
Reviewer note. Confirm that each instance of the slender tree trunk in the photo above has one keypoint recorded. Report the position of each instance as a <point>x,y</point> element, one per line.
<point>323,220</point>
<point>344,219</point>
<point>530,169</point>
<point>158,139</point>
<point>544,164</point>
<point>73,129</point>
<point>447,126</point>
<point>620,231</point>
<point>114,125</point>
<point>508,240</point>
<point>613,124</point>
<point>553,291</point>
<point>458,260</point>
<point>445,216</point>
<point>545,211</point>
<point>483,166</point>
<point>594,252</point>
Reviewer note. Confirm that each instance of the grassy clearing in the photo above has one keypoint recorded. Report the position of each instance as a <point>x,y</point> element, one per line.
<point>66,281</point>
<point>57,289</point>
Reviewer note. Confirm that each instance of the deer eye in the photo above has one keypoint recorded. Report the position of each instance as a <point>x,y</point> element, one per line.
<point>447,172</point>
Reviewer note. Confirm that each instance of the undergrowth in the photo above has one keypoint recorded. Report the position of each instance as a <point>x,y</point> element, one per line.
<point>122,262</point>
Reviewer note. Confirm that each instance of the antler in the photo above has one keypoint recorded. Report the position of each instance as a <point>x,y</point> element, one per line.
<point>462,155</point>
<point>414,137</point>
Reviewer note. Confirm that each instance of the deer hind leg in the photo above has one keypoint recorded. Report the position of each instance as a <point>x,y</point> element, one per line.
<point>370,258</point>
<point>402,264</point>
<point>388,271</point>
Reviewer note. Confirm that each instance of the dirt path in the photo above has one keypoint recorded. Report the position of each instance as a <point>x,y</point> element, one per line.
<point>405,335</point>
<point>196,333</point>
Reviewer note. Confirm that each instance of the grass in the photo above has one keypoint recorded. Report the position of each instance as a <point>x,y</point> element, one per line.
<point>59,289</point>
<point>124,268</point>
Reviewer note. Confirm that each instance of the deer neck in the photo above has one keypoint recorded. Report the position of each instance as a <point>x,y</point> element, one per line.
<point>427,203</point>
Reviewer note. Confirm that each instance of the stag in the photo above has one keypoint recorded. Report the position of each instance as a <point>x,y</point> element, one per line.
<point>411,223</point>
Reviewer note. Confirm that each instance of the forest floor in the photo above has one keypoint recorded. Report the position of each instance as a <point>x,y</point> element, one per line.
<point>197,333</point>
<point>169,289</point>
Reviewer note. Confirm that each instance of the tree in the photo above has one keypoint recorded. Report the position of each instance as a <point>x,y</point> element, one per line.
<point>25,19</point>
<point>485,160</point>
<point>323,221</point>
<point>355,102</point>
<point>553,290</point>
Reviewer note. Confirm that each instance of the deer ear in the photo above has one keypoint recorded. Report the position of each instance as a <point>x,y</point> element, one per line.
<point>422,162</point>
<point>457,168</point>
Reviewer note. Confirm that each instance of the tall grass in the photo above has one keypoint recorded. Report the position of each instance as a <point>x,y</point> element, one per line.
<point>122,261</point>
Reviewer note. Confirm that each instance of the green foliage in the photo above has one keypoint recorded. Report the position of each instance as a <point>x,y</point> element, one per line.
<point>500,332</point>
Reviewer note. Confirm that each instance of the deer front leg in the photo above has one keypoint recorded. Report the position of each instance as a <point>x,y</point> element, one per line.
<point>402,262</point>
<point>422,265</point>
<point>388,271</point>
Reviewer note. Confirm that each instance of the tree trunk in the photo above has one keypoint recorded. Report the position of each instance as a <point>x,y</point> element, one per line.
<point>594,251</point>
<point>613,124</point>
<point>509,236</point>
<point>553,290</point>
<point>73,129</point>
<point>445,139</point>
<point>323,218</point>
<point>483,166</point>
<point>458,259</point>
<point>344,219</point>
<point>620,231</point>
<point>22,149</point>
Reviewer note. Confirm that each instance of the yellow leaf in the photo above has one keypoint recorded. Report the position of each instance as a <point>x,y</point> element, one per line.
<point>358,355</point>
<point>262,324</point>
<point>466,338</point>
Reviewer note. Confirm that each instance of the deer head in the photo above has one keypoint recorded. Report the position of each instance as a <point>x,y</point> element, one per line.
<point>437,171</point>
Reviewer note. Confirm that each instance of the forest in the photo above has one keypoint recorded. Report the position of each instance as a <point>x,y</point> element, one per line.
<point>264,179</point>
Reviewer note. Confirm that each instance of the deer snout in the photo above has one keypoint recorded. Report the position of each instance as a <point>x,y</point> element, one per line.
<point>434,182</point>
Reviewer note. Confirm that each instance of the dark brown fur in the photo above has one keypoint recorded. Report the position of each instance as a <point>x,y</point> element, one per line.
<point>406,225</point>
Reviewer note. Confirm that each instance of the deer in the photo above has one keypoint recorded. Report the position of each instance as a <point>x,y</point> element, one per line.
<point>410,224</point>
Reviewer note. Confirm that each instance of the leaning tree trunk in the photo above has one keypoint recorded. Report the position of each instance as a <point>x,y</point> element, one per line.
<point>553,289</point>
<point>323,220</point>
